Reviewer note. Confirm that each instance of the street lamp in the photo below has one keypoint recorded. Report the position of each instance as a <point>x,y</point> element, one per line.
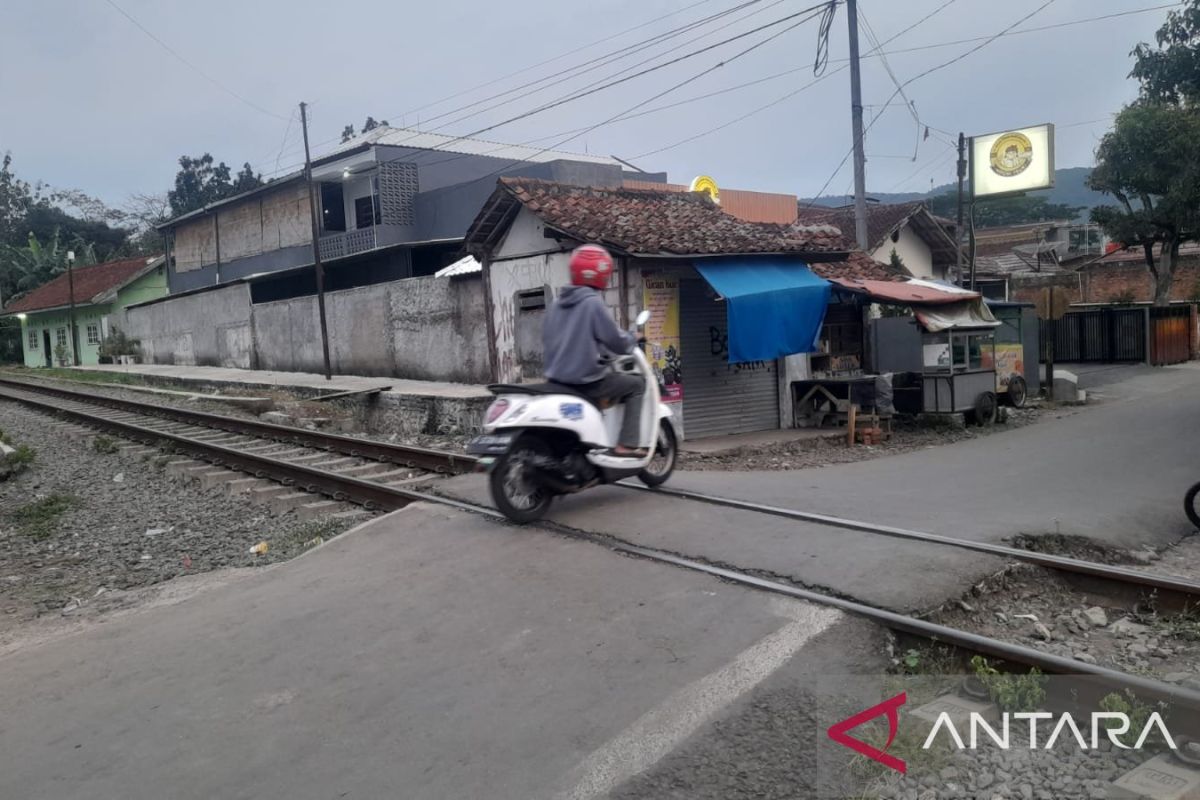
<point>71,312</point>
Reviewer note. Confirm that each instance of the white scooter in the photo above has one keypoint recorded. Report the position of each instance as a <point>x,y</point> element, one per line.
<point>545,439</point>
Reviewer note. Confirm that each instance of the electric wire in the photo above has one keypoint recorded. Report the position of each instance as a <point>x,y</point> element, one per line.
<point>189,64</point>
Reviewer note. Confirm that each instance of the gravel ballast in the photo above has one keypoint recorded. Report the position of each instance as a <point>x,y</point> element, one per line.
<point>79,526</point>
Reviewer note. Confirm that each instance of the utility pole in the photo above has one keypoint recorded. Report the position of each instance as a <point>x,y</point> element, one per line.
<point>316,241</point>
<point>71,307</point>
<point>856,112</point>
<point>958,231</point>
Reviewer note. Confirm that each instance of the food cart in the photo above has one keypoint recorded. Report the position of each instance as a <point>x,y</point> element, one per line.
<point>958,376</point>
<point>1016,351</point>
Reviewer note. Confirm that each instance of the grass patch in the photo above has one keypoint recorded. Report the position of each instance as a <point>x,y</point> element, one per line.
<point>19,460</point>
<point>1185,625</point>
<point>38,519</point>
<point>1010,690</point>
<point>307,536</point>
<point>105,445</point>
<point>80,375</point>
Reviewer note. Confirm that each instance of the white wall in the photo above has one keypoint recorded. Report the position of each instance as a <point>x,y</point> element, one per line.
<point>913,252</point>
<point>351,191</point>
<point>526,236</point>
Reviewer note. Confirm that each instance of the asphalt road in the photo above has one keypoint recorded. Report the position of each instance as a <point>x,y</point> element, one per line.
<point>435,654</point>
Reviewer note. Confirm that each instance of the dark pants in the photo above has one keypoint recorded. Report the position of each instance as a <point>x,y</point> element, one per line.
<point>627,389</point>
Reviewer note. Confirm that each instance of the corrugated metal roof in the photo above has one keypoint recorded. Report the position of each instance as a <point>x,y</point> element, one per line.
<point>466,265</point>
<point>423,140</point>
<point>913,291</point>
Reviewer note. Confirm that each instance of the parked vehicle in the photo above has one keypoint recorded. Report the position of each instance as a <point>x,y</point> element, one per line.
<point>543,440</point>
<point>1191,505</point>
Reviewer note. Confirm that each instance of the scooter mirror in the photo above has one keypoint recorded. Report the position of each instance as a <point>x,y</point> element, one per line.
<point>643,317</point>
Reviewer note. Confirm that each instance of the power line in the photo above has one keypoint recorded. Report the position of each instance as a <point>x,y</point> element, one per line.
<point>592,64</point>
<point>677,86</point>
<point>789,94</point>
<point>987,40</point>
<point>558,57</point>
<point>190,65</point>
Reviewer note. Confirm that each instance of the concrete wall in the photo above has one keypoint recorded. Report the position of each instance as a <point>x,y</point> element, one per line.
<point>206,328</point>
<point>420,328</point>
<point>913,252</point>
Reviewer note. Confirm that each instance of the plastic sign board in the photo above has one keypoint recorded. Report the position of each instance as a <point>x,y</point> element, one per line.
<point>1012,162</point>
<point>705,184</point>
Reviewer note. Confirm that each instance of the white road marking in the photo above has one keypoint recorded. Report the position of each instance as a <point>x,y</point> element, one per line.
<point>659,731</point>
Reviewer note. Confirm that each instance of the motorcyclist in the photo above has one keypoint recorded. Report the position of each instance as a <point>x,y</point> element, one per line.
<point>579,331</point>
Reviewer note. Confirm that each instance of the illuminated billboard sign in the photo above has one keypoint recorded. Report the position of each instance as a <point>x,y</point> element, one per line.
<point>1011,162</point>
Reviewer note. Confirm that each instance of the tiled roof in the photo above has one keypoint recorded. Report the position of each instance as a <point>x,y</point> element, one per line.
<point>882,220</point>
<point>90,284</point>
<point>650,222</point>
<point>856,266</point>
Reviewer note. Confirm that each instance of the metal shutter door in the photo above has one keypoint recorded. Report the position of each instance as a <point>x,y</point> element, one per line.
<point>718,397</point>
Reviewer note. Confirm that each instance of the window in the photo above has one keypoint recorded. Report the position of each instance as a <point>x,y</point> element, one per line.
<point>366,212</point>
<point>333,210</point>
<point>93,333</point>
<point>60,337</point>
<point>33,339</point>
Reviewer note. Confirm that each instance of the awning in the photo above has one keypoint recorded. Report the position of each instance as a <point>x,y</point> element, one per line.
<point>774,306</point>
<point>911,292</point>
<point>967,314</point>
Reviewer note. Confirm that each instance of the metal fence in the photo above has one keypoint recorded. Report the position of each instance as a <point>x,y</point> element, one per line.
<point>1097,335</point>
<point>1113,335</point>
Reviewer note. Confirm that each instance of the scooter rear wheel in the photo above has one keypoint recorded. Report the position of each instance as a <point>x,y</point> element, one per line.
<point>666,453</point>
<point>514,491</point>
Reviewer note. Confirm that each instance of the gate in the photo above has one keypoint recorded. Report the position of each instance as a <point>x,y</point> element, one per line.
<point>1098,335</point>
<point>1170,335</point>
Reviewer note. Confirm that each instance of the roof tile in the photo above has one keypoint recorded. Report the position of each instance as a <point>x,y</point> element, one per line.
<point>90,282</point>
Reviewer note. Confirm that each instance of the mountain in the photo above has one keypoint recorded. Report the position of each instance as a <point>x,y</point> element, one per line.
<point>1069,189</point>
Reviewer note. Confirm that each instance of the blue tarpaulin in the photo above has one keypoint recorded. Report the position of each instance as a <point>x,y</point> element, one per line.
<point>774,306</point>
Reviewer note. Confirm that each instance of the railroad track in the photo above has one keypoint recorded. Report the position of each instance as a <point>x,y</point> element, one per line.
<point>342,468</point>
<point>363,477</point>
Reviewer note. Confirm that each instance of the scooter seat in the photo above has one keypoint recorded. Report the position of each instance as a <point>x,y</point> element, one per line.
<point>538,388</point>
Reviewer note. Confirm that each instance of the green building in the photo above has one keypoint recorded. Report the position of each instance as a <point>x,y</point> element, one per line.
<point>101,293</point>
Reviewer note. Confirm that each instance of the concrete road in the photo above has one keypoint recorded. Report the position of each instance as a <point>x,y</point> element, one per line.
<point>434,654</point>
<point>1116,471</point>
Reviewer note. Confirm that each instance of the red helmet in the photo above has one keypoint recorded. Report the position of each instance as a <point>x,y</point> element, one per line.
<point>591,265</point>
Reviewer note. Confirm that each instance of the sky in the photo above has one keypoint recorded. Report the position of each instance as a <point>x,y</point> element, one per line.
<point>93,102</point>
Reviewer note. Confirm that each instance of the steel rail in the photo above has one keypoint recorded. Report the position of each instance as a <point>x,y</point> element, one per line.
<point>1146,688</point>
<point>1176,592</point>
<point>422,457</point>
<point>390,498</point>
<point>339,487</point>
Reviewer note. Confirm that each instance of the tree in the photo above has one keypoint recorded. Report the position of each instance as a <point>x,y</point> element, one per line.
<point>370,125</point>
<point>200,182</point>
<point>1006,210</point>
<point>16,197</point>
<point>1150,162</point>
<point>1170,72</point>
<point>23,269</point>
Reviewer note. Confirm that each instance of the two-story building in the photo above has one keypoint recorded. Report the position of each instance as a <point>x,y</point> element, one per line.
<point>392,204</point>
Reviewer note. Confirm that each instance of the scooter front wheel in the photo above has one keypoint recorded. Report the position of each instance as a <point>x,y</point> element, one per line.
<point>1191,505</point>
<point>515,490</point>
<point>666,452</point>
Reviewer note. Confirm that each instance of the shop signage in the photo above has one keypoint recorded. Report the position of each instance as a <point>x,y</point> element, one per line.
<point>1012,162</point>
<point>660,294</point>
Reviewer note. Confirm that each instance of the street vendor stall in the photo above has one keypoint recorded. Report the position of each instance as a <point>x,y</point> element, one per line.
<point>1017,373</point>
<point>942,359</point>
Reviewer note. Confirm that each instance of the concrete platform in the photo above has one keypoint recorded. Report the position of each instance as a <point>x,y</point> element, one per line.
<point>314,384</point>
<point>404,406</point>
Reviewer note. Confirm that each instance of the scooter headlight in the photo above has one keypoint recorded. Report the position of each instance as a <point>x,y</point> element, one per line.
<point>496,410</point>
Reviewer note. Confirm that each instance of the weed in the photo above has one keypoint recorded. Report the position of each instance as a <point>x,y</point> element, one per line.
<point>907,746</point>
<point>1185,625</point>
<point>20,459</point>
<point>931,660</point>
<point>307,536</point>
<point>4,437</point>
<point>37,519</point>
<point>104,445</point>
<point>1010,691</point>
<point>1133,708</point>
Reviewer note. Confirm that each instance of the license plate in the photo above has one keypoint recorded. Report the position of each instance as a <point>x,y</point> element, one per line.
<point>490,444</point>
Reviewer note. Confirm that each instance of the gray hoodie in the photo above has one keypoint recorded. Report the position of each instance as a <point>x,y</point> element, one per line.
<point>577,325</point>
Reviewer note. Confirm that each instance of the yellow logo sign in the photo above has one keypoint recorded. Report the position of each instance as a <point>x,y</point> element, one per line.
<point>1011,155</point>
<point>707,185</point>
